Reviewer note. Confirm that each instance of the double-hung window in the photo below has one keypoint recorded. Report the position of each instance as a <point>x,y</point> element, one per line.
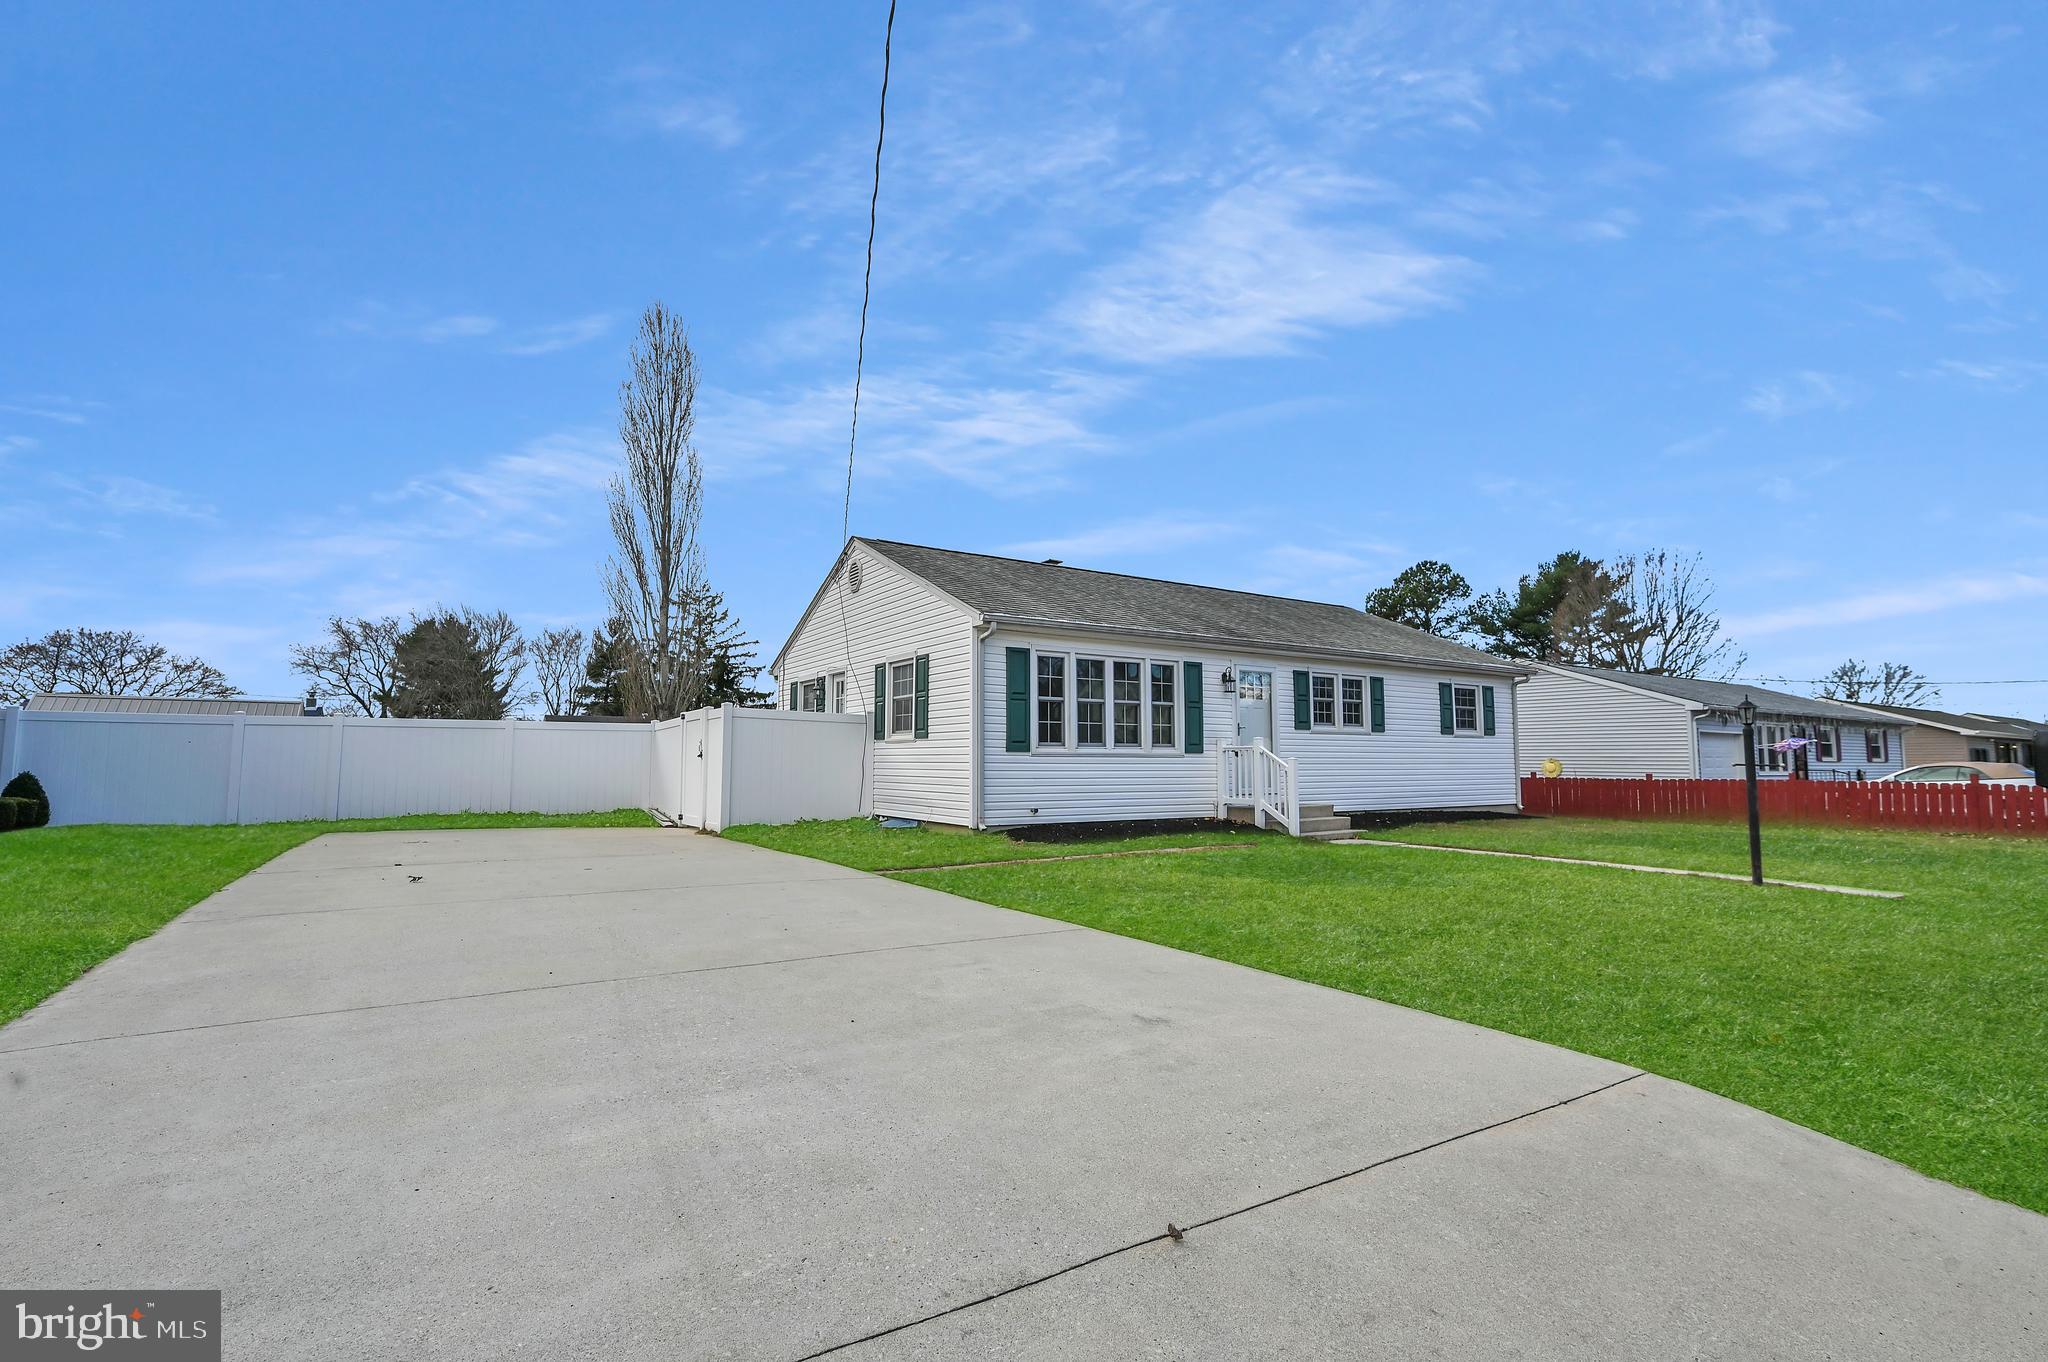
<point>1052,700</point>
<point>1352,712</point>
<point>1163,708</point>
<point>1876,745</point>
<point>1465,709</point>
<point>1827,743</point>
<point>811,699</point>
<point>1127,701</point>
<point>1091,725</point>
<point>1322,701</point>
<point>902,697</point>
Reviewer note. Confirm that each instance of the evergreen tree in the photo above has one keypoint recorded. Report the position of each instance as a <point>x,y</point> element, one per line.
<point>607,675</point>
<point>1524,624</point>
<point>1425,597</point>
<point>718,657</point>
<point>446,670</point>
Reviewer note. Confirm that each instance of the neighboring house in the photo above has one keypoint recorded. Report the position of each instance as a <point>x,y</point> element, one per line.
<point>1008,692</point>
<point>1623,724</point>
<point>1935,735</point>
<point>152,704</point>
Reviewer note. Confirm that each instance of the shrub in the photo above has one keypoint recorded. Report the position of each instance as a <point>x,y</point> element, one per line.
<point>11,811</point>
<point>26,786</point>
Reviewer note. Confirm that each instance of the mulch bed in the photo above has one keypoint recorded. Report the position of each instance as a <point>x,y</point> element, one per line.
<point>1096,832</point>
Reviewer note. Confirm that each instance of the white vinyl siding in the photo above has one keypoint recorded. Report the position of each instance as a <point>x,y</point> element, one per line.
<point>893,617</point>
<point>1602,731</point>
<point>1409,766</point>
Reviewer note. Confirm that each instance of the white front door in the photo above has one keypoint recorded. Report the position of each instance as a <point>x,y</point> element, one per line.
<point>1255,707</point>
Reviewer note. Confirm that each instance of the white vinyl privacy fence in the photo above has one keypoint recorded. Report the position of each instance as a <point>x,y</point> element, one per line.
<point>709,769</point>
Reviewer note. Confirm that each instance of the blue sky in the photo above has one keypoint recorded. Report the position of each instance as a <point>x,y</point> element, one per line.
<point>315,309</point>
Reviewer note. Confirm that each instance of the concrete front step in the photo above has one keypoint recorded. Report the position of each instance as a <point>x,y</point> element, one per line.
<point>1309,811</point>
<point>1344,834</point>
<point>1324,823</point>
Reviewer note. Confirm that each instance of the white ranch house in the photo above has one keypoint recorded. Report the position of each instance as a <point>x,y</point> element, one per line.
<point>1623,725</point>
<point>1004,692</point>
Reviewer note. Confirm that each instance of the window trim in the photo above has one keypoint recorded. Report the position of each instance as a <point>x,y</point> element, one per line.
<point>1069,745</point>
<point>1882,752</point>
<point>1172,705</point>
<point>908,733</point>
<point>1478,728</point>
<point>1313,722</point>
<point>1364,702</point>
<point>1827,744</point>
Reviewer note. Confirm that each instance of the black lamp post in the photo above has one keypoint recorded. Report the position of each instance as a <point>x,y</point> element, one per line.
<point>1747,709</point>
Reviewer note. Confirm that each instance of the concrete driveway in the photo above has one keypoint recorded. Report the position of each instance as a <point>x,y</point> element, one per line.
<point>596,1094</point>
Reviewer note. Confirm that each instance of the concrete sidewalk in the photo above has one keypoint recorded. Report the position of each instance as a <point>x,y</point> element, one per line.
<point>606,1092</point>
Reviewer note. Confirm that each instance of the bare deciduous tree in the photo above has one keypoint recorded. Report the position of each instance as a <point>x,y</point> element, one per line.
<point>352,668</point>
<point>1674,630</point>
<point>657,568</point>
<point>1891,683</point>
<point>558,667</point>
<point>1651,613</point>
<point>104,662</point>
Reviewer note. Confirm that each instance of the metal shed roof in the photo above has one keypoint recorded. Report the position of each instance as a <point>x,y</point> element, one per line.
<point>158,704</point>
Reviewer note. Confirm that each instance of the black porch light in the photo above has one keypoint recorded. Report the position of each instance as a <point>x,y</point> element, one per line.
<point>1747,711</point>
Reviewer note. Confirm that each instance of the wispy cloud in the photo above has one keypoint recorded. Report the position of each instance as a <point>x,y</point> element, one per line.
<point>518,497</point>
<point>1945,594</point>
<point>16,444</point>
<point>1808,390</point>
<point>459,326</point>
<point>1258,270</point>
<point>67,411</point>
<point>1796,121</point>
<point>1003,437</point>
<point>546,340</point>
<point>657,98</point>
<point>1690,445</point>
<point>126,496</point>
<point>407,322</point>
<point>2000,375</point>
<point>1128,538</point>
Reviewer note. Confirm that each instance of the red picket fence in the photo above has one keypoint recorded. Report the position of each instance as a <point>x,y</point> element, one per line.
<point>2014,810</point>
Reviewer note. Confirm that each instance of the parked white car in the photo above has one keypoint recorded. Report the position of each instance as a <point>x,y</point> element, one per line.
<point>1989,772</point>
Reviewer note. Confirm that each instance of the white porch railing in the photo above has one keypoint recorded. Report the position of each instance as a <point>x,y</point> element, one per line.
<point>1252,774</point>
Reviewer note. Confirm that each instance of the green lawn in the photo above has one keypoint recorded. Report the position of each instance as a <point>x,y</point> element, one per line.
<point>1917,1027</point>
<point>866,845</point>
<point>71,897</point>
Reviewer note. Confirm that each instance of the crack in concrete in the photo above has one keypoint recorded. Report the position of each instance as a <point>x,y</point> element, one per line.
<point>536,988</point>
<point>1218,1219</point>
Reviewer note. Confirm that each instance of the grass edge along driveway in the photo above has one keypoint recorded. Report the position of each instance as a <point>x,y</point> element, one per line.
<point>1915,1028</point>
<point>71,897</point>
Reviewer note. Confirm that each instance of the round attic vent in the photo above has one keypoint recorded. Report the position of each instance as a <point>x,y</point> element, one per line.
<point>853,575</point>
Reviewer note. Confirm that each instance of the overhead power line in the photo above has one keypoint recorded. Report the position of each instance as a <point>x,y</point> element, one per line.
<point>1823,680</point>
<point>860,356</point>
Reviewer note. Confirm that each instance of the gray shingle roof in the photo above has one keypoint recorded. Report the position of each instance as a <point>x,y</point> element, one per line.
<point>1013,588</point>
<point>1726,695</point>
<point>1983,725</point>
<point>151,704</point>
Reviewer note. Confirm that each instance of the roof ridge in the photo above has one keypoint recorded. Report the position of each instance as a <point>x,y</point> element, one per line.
<point>1136,577</point>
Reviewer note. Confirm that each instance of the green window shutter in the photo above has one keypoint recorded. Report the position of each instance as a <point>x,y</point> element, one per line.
<point>1192,676</point>
<point>923,715</point>
<point>1443,707</point>
<point>1301,700</point>
<point>881,701</point>
<point>1379,704</point>
<point>1486,705</point>
<point>1017,705</point>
